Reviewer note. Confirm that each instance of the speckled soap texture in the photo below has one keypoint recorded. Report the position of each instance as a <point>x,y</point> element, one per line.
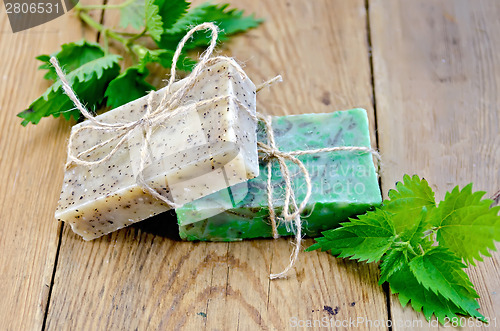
<point>344,182</point>
<point>195,153</point>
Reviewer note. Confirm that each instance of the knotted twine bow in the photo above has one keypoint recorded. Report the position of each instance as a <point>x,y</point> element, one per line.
<point>291,212</point>
<point>169,106</point>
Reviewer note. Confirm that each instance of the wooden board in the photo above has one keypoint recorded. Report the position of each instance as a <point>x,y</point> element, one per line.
<point>137,278</point>
<point>436,70</point>
<point>29,179</point>
<point>436,114</point>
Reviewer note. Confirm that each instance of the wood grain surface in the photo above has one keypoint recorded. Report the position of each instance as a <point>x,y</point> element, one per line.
<point>31,161</point>
<point>435,112</point>
<point>437,88</point>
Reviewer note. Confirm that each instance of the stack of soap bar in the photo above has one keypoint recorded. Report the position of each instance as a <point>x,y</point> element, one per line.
<point>194,154</point>
<point>344,183</point>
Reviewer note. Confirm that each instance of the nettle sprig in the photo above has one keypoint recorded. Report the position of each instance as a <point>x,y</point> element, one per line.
<point>423,246</point>
<point>96,75</point>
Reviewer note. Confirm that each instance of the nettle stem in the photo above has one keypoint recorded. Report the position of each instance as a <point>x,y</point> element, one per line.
<point>118,6</point>
<point>127,42</point>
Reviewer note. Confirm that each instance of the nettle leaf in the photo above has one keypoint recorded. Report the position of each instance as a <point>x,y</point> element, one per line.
<point>230,21</point>
<point>164,58</point>
<point>128,86</point>
<point>133,15</point>
<point>161,15</point>
<point>403,251</point>
<point>366,238</point>
<point>89,82</point>
<point>400,233</point>
<point>406,203</point>
<point>393,262</point>
<point>154,22</point>
<point>70,57</point>
<point>404,283</point>
<point>466,224</point>
<point>441,272</point>
<point>414,236</point>
<point>171,11</point>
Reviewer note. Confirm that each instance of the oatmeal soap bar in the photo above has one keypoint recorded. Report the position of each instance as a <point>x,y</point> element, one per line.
<point>344,183</point>
<point>195,153</point>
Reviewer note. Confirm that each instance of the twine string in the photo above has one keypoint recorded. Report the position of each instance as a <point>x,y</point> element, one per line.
<point>269,83</point>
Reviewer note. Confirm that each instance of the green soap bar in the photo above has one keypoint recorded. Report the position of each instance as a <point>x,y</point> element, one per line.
<point>344,183</point>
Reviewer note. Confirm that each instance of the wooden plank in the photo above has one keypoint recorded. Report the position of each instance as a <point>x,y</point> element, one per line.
<point>141,278</point>
<point>30,180</point>
<point>436,69</point>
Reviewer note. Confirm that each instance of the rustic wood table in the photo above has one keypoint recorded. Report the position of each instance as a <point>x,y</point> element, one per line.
<point>427,71</point>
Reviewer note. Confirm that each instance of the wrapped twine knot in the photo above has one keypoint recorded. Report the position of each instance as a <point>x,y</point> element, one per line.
<point>291,213</point>
<point>170,105</point>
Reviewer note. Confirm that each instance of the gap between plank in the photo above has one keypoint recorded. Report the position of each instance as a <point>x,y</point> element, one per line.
<point>385,286</point>
<point>101,21</point>
<point>52,279</point>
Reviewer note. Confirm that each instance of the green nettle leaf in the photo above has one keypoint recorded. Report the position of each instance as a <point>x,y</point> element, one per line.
<point>442,272</point>
<point>406,203</point>
<point>230,21</point>
<point>128,86</point>
<point>393,262</point>
<point>430,274</point>
<point>414,236</point>
<point>154,23</point>
<point>133,15</point>
<point>70,57</point>
<point>193,17</point>
<point>466,224</point>
<point>89,82</point>
<point>161,15</point>
<point>164,58</point>
<point>171,11</point>
<point>365,239</point>
<point>404,283</point>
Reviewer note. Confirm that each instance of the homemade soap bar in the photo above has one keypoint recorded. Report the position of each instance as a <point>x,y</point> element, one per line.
<point>344,183</point>
<point>195,153</point>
